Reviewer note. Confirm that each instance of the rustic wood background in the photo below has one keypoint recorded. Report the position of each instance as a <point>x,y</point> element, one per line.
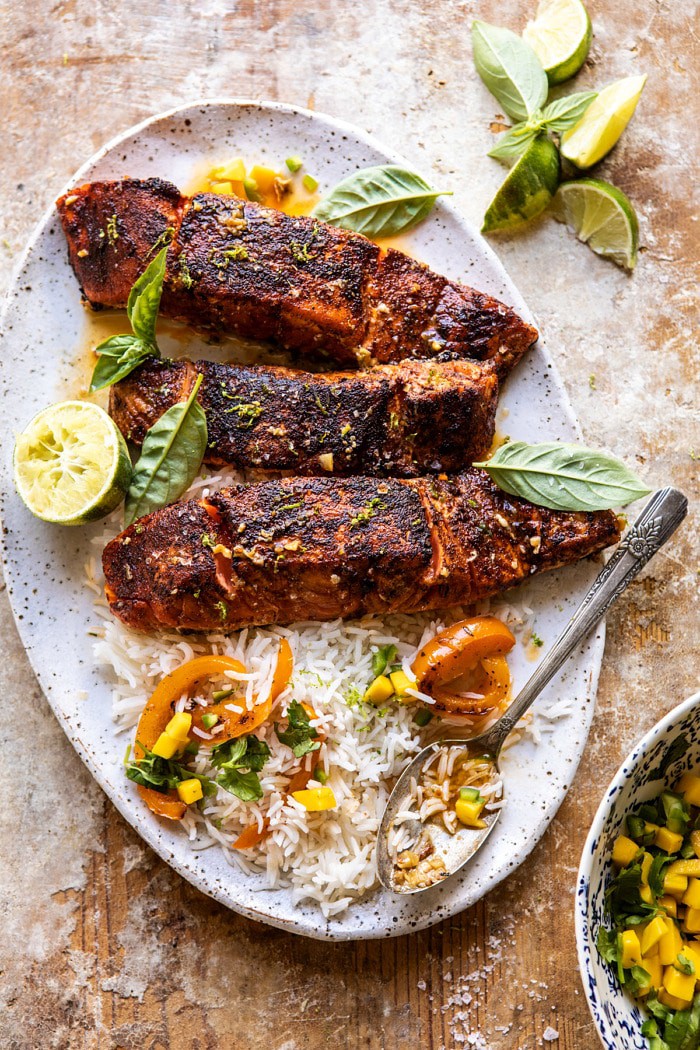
<point>103,946</point>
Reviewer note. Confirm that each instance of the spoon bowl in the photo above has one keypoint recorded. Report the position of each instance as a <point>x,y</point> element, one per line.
<point>446,853</point>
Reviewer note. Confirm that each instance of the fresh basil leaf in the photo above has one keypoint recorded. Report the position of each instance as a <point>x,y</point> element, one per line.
<point>514,143</point>
<point>510,69</point>
<point>563,113</point>
<point>384,656</point>
<point>378,202</point>
<point>144,299</point>
<point>116,359</point>
<point>563,477</point>
<point>171,455</point>
<point>299,735</point>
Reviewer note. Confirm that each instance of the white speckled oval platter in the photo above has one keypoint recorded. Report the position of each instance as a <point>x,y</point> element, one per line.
<point>41,355</point>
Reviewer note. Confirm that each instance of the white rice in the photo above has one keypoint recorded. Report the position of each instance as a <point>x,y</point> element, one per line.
<point>327,857</point>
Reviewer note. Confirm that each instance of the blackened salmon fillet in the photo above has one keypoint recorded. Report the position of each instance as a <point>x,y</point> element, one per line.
<point>417,417</point>
<point>298,283</point>
<point>320,548</point>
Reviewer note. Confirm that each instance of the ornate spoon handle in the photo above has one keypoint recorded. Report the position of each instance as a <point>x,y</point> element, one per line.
<point>658,521</point>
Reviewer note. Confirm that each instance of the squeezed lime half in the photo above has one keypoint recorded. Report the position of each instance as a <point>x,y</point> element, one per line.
<point>71,464</point>
<point>601,216</point>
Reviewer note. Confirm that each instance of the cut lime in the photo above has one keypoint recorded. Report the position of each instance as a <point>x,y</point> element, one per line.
<point>527,189</point>
<point>71,464</point>
<point>560,36</point>
<point>603,122</point>
<point>601,216</point>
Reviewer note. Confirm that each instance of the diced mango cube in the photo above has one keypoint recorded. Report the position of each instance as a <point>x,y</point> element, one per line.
<point>685,867</point>
<point>179,726</point>
<point>647,861</point>
<point>265,177</point>
<point>190,791</point>
<point>234,171</point>
<point>650,829</point>
<point>689,787</point>
<point>166,746</point>
<point>646,894</point>
<point>469,813</point>
<point>223,188</point>
<point>379,690</point>
<point>668,841</point>
<point>692,920</point>
<point>671,1001</point>
<point>401,682</point>
<point>624,851</point>
<point>691,897</point>
<point>653,934</point>
<point>653,967</point>
<point>669,904</point>
<point>692,952</point>
<point>695,842</point>
<point>316,799</point>
<point>680,985</point>
<point>670,944</point>
<point>631,949</point>
<point>675,885</point>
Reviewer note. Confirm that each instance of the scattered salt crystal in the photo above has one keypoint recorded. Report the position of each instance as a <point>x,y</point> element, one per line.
<point>421,985</point>
<point>550,1035</point>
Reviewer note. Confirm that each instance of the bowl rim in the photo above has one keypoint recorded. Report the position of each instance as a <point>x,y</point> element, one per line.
<point>581,896</point>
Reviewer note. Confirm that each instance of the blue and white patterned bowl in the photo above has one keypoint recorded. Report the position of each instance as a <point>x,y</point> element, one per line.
<point>669,749</point>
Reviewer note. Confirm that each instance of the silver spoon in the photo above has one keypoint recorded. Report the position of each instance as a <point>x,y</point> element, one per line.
<point>657,522</point>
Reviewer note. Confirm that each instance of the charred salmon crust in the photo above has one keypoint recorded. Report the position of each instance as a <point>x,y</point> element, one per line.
<point>320,548</point>
<point>238,267</point>
<point>405,420</point>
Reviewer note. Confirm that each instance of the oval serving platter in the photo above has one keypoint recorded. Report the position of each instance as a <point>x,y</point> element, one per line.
<point>42,361</point>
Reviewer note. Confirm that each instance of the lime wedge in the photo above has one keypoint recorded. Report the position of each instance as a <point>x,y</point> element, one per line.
<point>603,122</point>
<point>601,216</point>
<point>560,36</point>
<point>527,189</point>
<point>71,464</point>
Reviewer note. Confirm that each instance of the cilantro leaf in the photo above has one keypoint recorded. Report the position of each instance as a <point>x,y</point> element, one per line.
<point>606,943</point>
<point>232,758</point>
<point>162,774</point>
<point>299,735</point>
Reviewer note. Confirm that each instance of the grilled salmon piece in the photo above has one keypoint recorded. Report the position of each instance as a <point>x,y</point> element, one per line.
<point>320,548</point>
<point>241,268</point>
<point>417,417</point>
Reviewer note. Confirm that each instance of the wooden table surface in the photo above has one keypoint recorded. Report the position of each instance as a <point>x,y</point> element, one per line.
<point>103,946</point>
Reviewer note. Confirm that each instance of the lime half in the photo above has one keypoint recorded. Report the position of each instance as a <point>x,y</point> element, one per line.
<point>601,216</point>
<point>71,464</point>
<point>560,36</point>
<point>603,122</point>
<point>527,189</point>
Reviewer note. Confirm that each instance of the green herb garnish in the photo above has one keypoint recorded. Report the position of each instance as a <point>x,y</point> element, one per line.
<point>239,761</point>
<point>299,735</point>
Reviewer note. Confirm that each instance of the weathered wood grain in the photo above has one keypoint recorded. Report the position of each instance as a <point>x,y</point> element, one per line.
<point>103,946</point>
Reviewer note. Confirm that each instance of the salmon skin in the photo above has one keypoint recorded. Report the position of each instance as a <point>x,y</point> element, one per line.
<point>320,548</point>
<point>417,417</point>
<point>298,283</point>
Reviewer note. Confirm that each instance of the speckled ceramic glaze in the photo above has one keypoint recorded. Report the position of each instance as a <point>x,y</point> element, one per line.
<point>650,766</point>
<point>43,335</point>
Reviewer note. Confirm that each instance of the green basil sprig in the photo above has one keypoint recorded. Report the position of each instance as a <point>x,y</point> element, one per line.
<point>121,354</point>
<point>563,476</point>
<point>559,115</point>
<point>378,202</point>
<point>510,69</point>
<point>170,458</point>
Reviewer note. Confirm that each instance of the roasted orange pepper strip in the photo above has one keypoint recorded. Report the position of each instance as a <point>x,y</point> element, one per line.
<point>458,650</point>
<point>160,709</point>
